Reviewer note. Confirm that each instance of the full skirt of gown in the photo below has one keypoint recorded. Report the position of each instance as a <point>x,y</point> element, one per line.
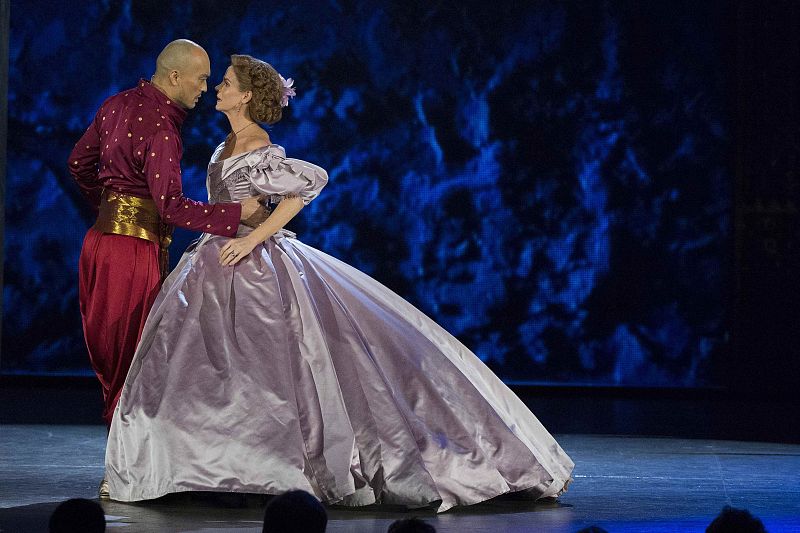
<point>294,370</point>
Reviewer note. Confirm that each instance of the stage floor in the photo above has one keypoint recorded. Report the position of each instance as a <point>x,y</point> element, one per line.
<point>623,484</point>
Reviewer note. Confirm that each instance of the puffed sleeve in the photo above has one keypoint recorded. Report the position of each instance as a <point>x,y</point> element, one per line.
<point>273,174</point>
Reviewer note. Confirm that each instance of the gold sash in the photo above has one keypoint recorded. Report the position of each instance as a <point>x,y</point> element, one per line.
<point>123,214</point>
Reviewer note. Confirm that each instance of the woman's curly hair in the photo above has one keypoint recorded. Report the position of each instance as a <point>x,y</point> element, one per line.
<point>264,82</point>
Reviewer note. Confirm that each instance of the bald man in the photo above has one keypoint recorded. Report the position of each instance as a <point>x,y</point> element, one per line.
<point>182,69</point>
<point>128,166</point>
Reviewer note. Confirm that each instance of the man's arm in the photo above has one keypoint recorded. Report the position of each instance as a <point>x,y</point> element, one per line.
<point>161,166</point>
<point>83,163</point>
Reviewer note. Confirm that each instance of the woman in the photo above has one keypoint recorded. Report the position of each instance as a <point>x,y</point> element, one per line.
<point>267,365</point>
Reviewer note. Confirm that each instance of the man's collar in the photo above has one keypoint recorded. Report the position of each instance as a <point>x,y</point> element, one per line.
<point>166,106</point>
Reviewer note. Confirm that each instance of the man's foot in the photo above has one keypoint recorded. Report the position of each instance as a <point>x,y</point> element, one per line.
<point>102,491</point>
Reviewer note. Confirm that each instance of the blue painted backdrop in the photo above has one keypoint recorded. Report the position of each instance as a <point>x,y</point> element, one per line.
<point>547,181</point>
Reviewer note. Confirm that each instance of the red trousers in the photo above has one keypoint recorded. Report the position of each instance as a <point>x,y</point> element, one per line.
<point>119,279</point>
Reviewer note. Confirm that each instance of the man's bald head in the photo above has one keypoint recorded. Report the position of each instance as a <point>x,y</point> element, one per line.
<point>182,68</point>
<point>178,55</point>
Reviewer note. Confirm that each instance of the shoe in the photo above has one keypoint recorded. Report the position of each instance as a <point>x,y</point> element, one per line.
<point>102,491</point>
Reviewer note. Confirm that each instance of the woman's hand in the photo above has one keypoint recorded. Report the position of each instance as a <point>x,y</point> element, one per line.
<point>235,250</point>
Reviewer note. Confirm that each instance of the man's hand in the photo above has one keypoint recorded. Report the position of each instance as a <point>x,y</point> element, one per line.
<point>253,211</point>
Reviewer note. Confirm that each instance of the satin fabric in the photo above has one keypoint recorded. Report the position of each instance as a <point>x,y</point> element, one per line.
<point>115,297</point>
<point>294,370</point>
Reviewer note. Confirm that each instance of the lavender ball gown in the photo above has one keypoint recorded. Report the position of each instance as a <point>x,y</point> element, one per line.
<point>294,370</point>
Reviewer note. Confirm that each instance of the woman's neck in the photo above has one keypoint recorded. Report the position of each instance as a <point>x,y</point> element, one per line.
<point>239,123</point>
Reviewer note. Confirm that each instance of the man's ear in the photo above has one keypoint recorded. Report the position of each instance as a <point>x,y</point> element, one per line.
<point>173,77</point>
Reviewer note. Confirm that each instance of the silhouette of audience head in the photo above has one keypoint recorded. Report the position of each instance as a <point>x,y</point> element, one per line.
<point>411,525</point>
<point>295,510</point>
<point>732,520</point>
<point>592,529</point>
<point>78,515</point>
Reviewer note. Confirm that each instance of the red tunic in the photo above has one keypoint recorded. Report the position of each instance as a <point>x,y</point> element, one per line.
<point>133,146</point>
<point>136,143</point>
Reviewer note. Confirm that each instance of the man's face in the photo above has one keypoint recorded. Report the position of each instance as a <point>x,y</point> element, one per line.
<point>192,81</point>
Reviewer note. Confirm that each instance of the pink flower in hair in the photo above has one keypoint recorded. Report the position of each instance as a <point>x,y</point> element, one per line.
<point>288,91</point>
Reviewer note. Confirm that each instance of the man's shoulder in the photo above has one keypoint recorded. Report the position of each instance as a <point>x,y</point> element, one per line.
<point>126,93</point>
<point>118,100</point>
<point>144,113</point>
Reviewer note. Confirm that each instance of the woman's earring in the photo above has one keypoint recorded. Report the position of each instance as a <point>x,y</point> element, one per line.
<point>238,107</point>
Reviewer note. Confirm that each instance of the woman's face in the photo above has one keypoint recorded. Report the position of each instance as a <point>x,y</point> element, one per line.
<point>228,94</point>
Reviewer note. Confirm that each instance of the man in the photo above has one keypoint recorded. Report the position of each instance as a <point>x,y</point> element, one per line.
<point>128,165</point>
